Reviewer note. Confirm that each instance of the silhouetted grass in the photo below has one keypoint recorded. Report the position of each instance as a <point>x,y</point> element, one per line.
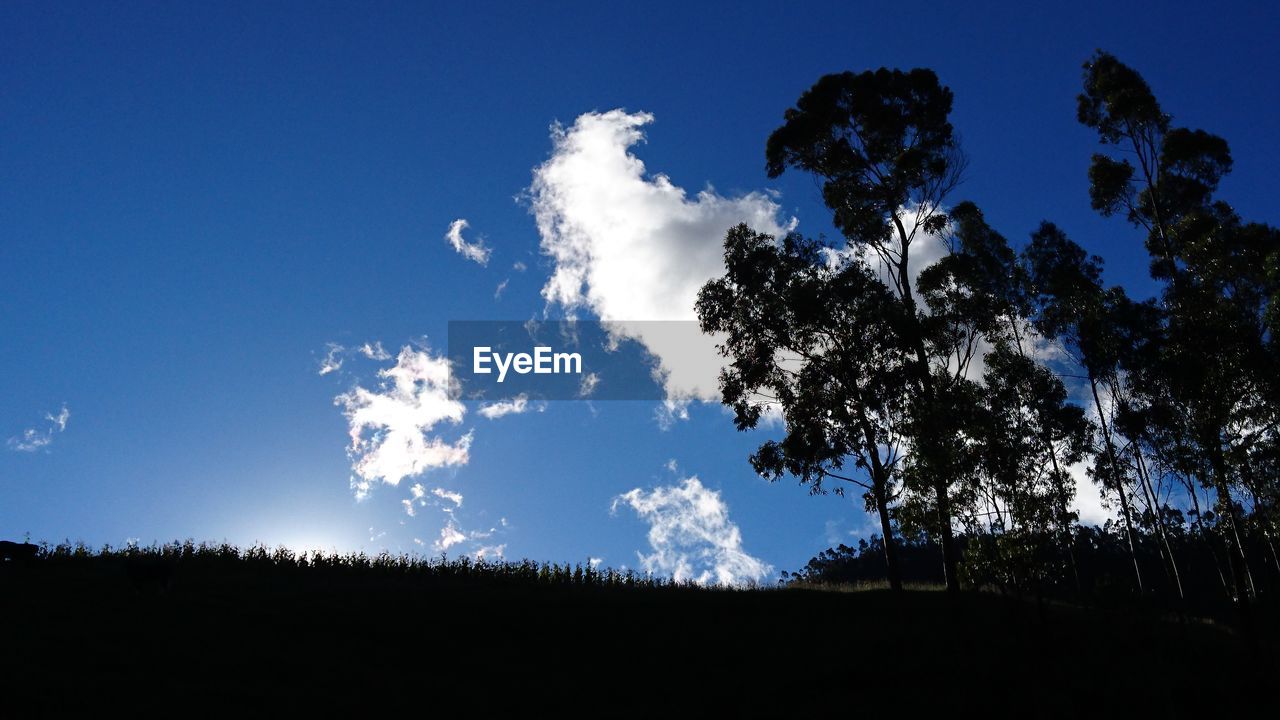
<point>188,629</point>
<point>161,565</point>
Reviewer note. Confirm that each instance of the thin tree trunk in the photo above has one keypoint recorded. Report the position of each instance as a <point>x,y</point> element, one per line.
<point>880,491</point>
<point>1061,510</point>
<point>950,559</point>
<point>1204,532</point>
<point>1063,527</point>
<point>1237,561</point>
<point>1115,467</point>
<point>1263,519</point>
<point>1154,503</point>
<point>890,544</point>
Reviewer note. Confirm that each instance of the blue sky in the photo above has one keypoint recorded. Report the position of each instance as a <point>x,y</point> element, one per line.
<point>196,200</point>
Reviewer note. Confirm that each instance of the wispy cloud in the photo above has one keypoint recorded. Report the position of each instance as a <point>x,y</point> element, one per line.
<point>333,358</point>
<point>590,382</point>
<point>450,535</point>
<point>60,420</point>
<point>691,535</point>
<point>628,245</point>
<point>491,552</point>
<point>446,500</point>
<point>391,427</point>
<point>514,406</point>
<point>417,496</point>
<point>335,355</point>
<point>374,351</point>
<point>453,497</point>
<point>33,439</point>
<point>478,543</point>
<point>476,252</point>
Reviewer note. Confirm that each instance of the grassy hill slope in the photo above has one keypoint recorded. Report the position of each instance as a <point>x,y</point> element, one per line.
<point>189,632</point>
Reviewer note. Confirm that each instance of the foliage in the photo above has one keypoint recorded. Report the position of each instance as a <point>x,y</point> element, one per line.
<point>961,395</point>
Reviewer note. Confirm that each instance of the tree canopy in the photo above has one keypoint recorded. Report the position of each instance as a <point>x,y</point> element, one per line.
<point>966,398</point>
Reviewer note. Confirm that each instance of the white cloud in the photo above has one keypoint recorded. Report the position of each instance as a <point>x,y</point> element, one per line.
<point>450,535</point>
<point>390,428</point>
<point>691,535</point>
<point>333,359</point>
<point>476,252</point>
<point>60,420</point>
<point>502,286</point>
<point>519,266</point>
<point>1088,501</point>
<point>374,351</point>
<point>453,497</point>
<point>590,381</point>
<point>491,551</point>
<point>417,498</point>
<point>1089,496</point>
<point>514,406</point>
<point>630,246</point>
<point>335,355</point>
<point>33,439</point>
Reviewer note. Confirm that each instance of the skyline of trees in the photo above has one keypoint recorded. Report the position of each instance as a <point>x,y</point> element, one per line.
<point>958,396</point>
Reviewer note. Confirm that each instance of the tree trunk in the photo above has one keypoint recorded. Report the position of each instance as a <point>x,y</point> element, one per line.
<point>1236,559</point>
<point>950,558</point>
<point>1203,532</point>
<point>1115,468</point>
<point>880,491</point>
<point>890,544</point>
<point>1067,537</point>
<point>1154,503</point>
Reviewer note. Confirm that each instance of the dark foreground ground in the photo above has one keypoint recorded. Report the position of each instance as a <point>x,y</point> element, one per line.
<point>198,635</point>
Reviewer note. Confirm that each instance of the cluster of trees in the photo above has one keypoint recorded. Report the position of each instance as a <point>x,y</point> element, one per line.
<point>960,396</point>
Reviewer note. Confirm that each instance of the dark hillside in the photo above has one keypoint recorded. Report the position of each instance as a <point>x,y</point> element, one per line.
<point>189,631</point>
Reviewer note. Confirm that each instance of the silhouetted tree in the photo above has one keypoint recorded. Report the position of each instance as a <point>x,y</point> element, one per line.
<point>1212,353</point>
<point>887,156</point>
<point>816,342</point>
<point>938,389</point>
<point>1014,422</point>
<point>1073,308</point>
